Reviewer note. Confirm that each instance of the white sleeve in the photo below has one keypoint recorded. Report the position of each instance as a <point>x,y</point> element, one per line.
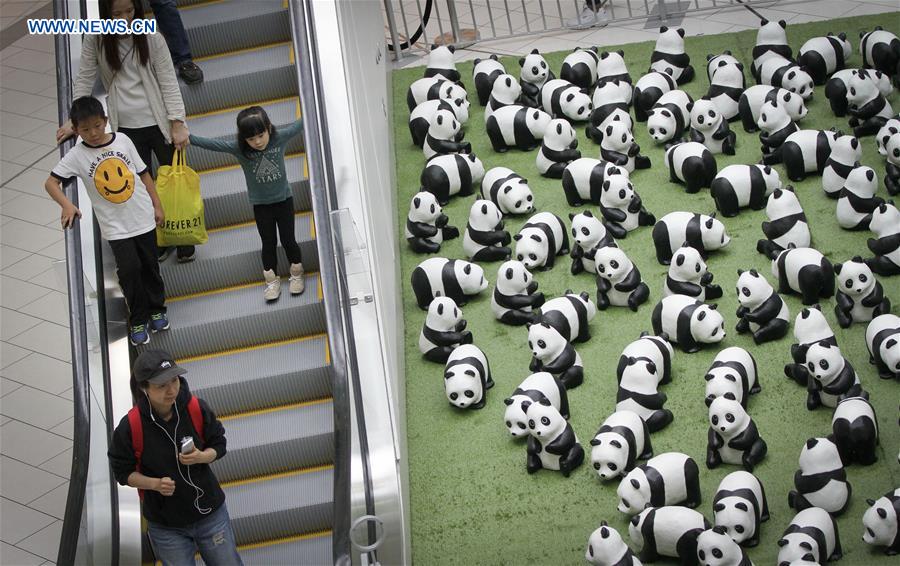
<point>67,166</point>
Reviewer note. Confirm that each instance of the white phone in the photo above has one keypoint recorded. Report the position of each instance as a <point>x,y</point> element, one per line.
<point>187,445</point>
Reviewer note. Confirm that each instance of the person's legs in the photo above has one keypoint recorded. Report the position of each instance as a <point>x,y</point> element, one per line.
<point>593,14</point>
<point>215,538</point>
<point>172,546</point>
<point>172,28</point>
<point>286,222</point>
<point>264,214</point>
<point>130,274</point>
<point>152,281</point>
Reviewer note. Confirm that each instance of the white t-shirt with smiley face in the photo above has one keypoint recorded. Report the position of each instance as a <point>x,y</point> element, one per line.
<point>111,174</point>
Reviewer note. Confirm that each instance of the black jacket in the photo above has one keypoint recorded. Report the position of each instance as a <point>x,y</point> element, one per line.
<point>158,460</point>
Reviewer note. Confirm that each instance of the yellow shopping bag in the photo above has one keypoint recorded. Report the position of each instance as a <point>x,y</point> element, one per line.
<point>178,187</point>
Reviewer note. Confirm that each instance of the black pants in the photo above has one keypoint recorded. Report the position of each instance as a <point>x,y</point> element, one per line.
<point>138,269</point>
<point>269,218</point>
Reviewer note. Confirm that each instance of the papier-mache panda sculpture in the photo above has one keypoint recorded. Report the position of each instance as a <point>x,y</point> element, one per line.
<point>558,149</point>
<point>699,231</point>
<point>433,88</point>
<point>551,352</point>
<point>709,127</point>
<point>621,206</point>
<point>846,151</point>
<point>580,67</point>
<point>688,322</point>
<point>860,296</point>
<point>612,67</point>
<point>891,127</point>
<point>823,56</point>
<point>869,109</point>
<point>588,235</point>
<point>515,299</point>
<point>426,224</point>
<point>508,190</point>
<point>752,100</point>
<point>733,437</point>
<point>739,186</point>
<point>771,41</point>
<point>505,91</point>
<point>638,392</point>
<point>776,126</point>
<point>440,63</point>
<point>516,126</point>
<point>484,238</point>
<point>807,151</point>
<point>543,237</point>
<point>552,443</point>
<point>692,164</point>
<point>445,176</point>
<point>716,548</point>
<point>648,90</point>
<point>762,312</point>
<point>857,200</point>
<point>813,536</point>
<point>885,245</point>
<point>623,439</point>
<point>607,548</point>
<point>726,86</point>
<point>610,101</point>
<point>786,225</point>
<point>562,99</point>
<point>484,73</point>
<point>688,275</point>
<point>619,281</point>
<point>831,377</point>
<point>467,377</point>
<point>443,136</point>
<point>821,480</point>
<point>882,522</point>
<point>444,330</point>
<point>670,531</point>
<point>804,271</point>
<point>854,430</point>
<point>733,375</point>
<point>420,117</point>
<point>740,507</point>
<point>442,277</point>
<point>892,165</point>
<point>570,315</point>
<point>880,49</point>
<point>533,389</point>
<point>669,57</point>
<point>617,146</point>
<point>713,62</point>
<point>656,349</point>
<point>670,117</point>
<point>583,179</point>
<point>836,87</point>
<point>534,73</point>
<point>671,478</point>
<point>883,342</point>
<point>810,327</point>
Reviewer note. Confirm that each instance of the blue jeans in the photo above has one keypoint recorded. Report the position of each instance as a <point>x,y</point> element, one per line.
<point>212,535</point>
<point>169,20</point>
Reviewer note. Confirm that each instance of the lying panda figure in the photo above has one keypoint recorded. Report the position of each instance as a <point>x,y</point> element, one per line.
<point>570,315</point>
<point>671,478</point>
<point>516,126</point>
<point>762,312</point>
<point>699,231</point>
<point>823,56</point>
<point>807,151</point>
<point>754,98</point>
<point>433,88</point>
<point>508,190</point>
<point>552,353</point>
<point>860,297</point>
<point>515,299</point>
<point>467,377</point>
<point>669,57</point>
<point>667,531</point>
<point>804,271</point>
<point>656,349</point>
<point>420,117</point>
<point>442,277</point>
<point>688,322</point>
<point>784,73</point>
<point>692,164</point>
<point>786,225</point>
<point>445,176</point>
<point>812,536</point>
<point>882,522</point>
<point>541,239</point>
<point>885,245</point>
<point>670,117</point>
<point>535,388</point>
<point>836,87</point>
<point>562,99</point>
<point>883,342</point>
<point>588,234</point>
<point>583,179</point>
<point>738,186</point>
<point>623,439</point>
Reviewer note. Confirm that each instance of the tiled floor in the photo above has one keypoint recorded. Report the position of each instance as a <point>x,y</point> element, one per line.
<point>35,375</point>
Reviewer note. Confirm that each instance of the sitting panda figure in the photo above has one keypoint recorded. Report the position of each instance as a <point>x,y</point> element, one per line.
<point>886,245</point>
<point>442,137</point>
<point>699,231</point>
<point>621,207</point>
<point>455,174</point>
<point>771,41</point>
<point>688,275</point>
<point>821,480</point>
<point>812,536</point>
<point>442,277</point>
<point>444,330</point>
<point>762,312</point>
<point>433,88</point>
<point>716,548</point>
<point>467,377</point>
<point>740,507</point>
<point>535,388</point>
<point>618,280</point>
<point>667,531</point>
<point>891,127</point>
<point>583,179</point>
<point>857,200</point>
<point>508,190</point>
<point>426,224</point>
<point>588,234</point>
<point>638,392</point>
<point>776,127</point>
<point>869,109</point>
<point>484,73</point>
<point>883,342</point>
<point>516,298</point>
<point>892,166</point>
<point>656,349</point>
<point>804,271</point>
<point>733,437</point>
<point>860,297</point>
<point>420,117</point>
<point>484,238</point>
<point>504,92</point>
<point>807,151</point>
<point>617,146</point>
<point>669,57</point>
<point>440,63</point>
<point>882,522</point>
<point>552,443</point>
<point>786,224</point>
<point>880,50</point>
<point>570,315</point>
<point>562,99</point>
<point>725,89</point>
<point>810,327</point>
<point>554,354</point>
<point>846,151</point>
<point>823,56</point>
<point>832,378</point>
<point>738,186</point>
<point>648,90</point>
<point>516,126</point>
<point>623,439</point>
<point>612,67</point>
<point>713,62</point>
<point>836,87</point>
<point>733,375</point>
<point>535,72</point>
<point>784,73</point>
<point>610,104</point>
<point>688,322</point>
<point>692,164</point>
<point>670,117</point>
<point>580,67</point>
<point>855,431</point>
<point>557,150</point>
<point>671,478</point>
<point>752,100</point>
<point>709,127</point>
<point>541,239</point>
<point>606,548</point>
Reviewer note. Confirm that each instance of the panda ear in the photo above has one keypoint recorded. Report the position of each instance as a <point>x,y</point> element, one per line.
<point>588,213</point>
<point>890,343</point>
<point>789,188</point>
<point>740,272</point>
<point>635,484</point>
<point>714,306</point>
<point>709,223</point>
<point>440,120</point>
<point>783,24</point>
<point>594,442</point>
<point>571,216</point>
<point>506,189</point>
<point>517,237</point>
<point>871,502</point>
<point>440,309</point>
<point>467,269</point>
<point>681,32</point>
<point>451,48</point>
<point>870,175</point>
<point>679,260</point>
<point>663,29</point>
<point>806,545</point>
<point>651,368</point>
<point>604,523</point>
<point>754,273</point>
<point>791,75</point>
<point>708,377</point>
<point>709,57</point>
<point>508,401</point>
<point>448,375</point>
<point>525,405</point>
<point>621,52</point>
<point>782,542</point>
<point>838,267</point>
<point>570,97</point>
<point>417,202</point>
<point>604,55</point>
<point>842,36</point>
<point>741,505</point>
<point>484,209</point>
<point>559,128</point>
<point>544,401</point>
<point>521,61</point>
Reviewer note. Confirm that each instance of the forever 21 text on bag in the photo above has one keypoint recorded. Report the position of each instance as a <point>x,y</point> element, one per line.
<point>178,187</point>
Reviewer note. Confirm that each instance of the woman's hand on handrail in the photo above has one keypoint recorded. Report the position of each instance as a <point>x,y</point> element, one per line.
<point>64,132</point>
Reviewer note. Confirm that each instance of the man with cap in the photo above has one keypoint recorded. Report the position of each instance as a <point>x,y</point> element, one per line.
<point>182,500</point>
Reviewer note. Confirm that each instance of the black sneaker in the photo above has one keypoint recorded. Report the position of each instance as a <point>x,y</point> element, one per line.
<point>190,72</point>
<point>185,254</point>
<point>163,253</point>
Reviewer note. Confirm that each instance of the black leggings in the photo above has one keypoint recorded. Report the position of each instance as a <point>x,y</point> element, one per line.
<point>269,218</point>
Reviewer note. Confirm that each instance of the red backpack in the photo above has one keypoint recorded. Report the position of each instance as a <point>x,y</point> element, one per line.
<point>137,430</point>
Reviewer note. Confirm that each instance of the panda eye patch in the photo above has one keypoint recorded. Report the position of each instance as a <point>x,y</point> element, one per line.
<point>717,553</point>
<point>469,394</point>
<point>652,131</point>
<point>624,138</point>
<point>613,467</point>
<point>745,291</point>
<point>622,193</point>
<point>697,268</point>
<point>812,366</point>
<point>585,231</point>
<point>454,396</point>
<point>534,70</point>
<point>432,209</point>
<point>543,65</point>
<point>863,278</point>
<point>739,528</point>
<point>614,264</point>
<point>715,419</point>
<point>522,426</point>
<point>823,364</point>
<point>712,114</point>
<point>533,256</point>
<point>520,257</point>
<point>729,417</point>
<point>545,421</point>
<point>662,131</point>
<point>849,283</point>
<point>542,344</point>
<point>529,198</point>
<point>574,232</point>
<point>508,424</point>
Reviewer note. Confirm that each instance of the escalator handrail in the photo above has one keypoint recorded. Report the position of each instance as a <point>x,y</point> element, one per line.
<point>334,282</point>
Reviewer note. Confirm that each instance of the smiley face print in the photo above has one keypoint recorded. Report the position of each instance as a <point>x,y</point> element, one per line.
<point>114,180</point>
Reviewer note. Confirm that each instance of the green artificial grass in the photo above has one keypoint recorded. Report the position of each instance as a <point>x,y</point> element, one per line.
<point>473,502</point>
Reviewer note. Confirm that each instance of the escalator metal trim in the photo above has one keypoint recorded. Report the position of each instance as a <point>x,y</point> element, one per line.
<point>283,540</point>
<point>275,45</point>
<point>250,348</point>
<point>255,412</point>
<point>279,475</point>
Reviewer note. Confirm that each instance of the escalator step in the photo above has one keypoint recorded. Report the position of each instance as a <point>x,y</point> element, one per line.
<point>235,24</point>
<point>225,199</point>
<point>308,550</point>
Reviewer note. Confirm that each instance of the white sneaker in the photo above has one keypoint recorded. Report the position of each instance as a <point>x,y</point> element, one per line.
<point>273,285</point>
<point>297,284</point>
<point>588,18</point>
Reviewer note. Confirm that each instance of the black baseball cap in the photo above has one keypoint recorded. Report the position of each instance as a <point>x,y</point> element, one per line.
<point>156,366</point>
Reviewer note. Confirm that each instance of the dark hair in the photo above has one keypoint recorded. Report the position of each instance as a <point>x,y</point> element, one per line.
<point>251,122</point>
<point>84,108</point>
<point>110,42</point>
